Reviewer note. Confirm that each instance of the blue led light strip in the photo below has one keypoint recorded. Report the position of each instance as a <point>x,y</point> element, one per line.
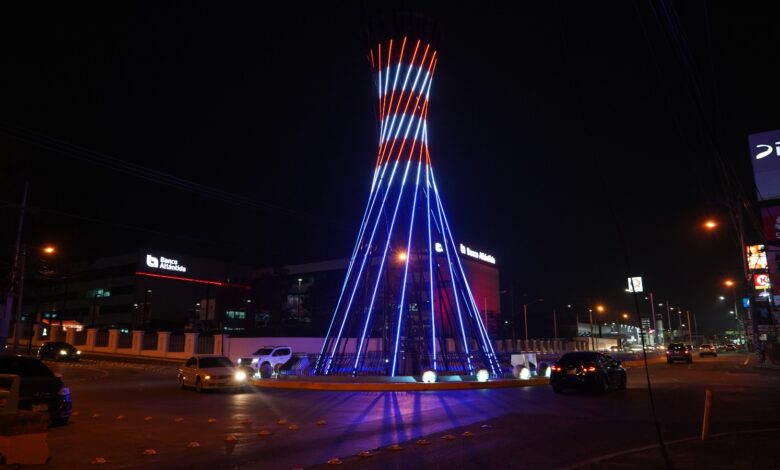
<point>487,345</point>
<point>389,234</point>
<point>366,250</point>
<point>361,232</point>
<point>452,278</point>
<point>430,259</point>
<point>406,268</point>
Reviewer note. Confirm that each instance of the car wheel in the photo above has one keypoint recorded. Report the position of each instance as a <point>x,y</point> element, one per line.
<point>623,383</point>
<point>181,381</point>
<point>198,385</point>
<point>60,421</point>
<point>604,385</point>
<point>557,389</point>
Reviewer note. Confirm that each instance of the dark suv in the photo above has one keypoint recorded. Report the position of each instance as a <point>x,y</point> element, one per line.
<point>39,388</point>
<point>678,352</point>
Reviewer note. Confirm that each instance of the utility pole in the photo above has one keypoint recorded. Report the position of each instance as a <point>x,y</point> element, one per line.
<point>5,324</point>
<point>690,334</point>
<point>18,319</point>
<point>514,332</point>
<point>555,326</point>
<point>525,320</point>
<point>669,321</point>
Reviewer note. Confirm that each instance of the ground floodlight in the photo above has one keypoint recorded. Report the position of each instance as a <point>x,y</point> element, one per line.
<point>429,377</point>
<point>525,373</point>
<point>483,375</point>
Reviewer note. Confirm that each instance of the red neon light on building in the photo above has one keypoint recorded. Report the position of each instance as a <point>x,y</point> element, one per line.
<point>198,281</point>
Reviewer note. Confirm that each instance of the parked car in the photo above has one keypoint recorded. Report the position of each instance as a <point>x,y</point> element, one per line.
<point>678,352</point>
<point>211,371</point>
<point>58,351</point>
<point>40,389</point>
<point>585,369</point>
<point>729,347</point>
<point>270,359</point>
<point>708,350</point>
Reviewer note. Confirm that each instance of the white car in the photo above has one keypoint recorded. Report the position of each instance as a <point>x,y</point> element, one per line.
<point>210,371</point>
<point>270,359</point>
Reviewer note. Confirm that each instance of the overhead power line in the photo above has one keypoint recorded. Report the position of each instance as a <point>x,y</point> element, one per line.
<point>133,169</point>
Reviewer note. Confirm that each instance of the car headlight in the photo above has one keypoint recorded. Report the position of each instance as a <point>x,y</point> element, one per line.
<point>63,352</point>
<point>208,377</point>
<point>240,376</point>
<point>78,352</point>
<point>254,361</point>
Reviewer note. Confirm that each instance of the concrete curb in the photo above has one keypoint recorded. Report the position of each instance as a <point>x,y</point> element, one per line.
<point>393,387</point>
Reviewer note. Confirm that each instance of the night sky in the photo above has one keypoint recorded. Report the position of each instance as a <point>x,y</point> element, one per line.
<point>553,128</point>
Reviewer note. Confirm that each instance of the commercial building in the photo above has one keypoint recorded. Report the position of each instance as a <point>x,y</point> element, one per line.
<point>147,289</point>
<point>309,292</point>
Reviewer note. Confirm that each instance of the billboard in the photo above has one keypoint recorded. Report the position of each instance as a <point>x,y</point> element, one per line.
<point>770,216</point>
<point>765,157</point>
<point>756,257</point>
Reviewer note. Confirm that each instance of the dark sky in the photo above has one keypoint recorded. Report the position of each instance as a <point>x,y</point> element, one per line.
<point>551,125</point>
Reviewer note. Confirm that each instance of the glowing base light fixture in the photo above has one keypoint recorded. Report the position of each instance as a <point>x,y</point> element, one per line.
<point>525,373</point>
<point>483,375</point>
<point>429,377</point>
<point>405,306</point>
<point>547,372</point>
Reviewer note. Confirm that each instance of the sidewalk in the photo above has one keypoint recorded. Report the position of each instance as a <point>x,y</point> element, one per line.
<point>726,451</point>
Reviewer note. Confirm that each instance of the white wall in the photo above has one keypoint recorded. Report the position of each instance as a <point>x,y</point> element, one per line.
<point>244,347</point>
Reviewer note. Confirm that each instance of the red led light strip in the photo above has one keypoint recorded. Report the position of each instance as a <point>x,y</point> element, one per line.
<point>198,281</point>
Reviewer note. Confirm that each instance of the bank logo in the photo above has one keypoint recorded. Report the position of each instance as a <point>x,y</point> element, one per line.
<point>152,261</point>
<point>766,150</point>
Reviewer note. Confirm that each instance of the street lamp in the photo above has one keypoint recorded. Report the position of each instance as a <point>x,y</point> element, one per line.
<point>710,224</point>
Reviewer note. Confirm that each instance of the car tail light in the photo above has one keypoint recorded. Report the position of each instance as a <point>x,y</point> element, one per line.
<point>590,369</point>
<point>555,368</point>
<point>668,352</point>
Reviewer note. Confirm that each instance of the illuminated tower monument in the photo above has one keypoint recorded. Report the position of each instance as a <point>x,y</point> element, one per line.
<point>405,305</point>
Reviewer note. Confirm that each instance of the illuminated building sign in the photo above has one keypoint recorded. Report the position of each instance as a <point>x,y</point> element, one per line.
<point>761,281</point>
<point>635,284</point>
<point>477,254</point>
<point>771,218</point>
<point>765,157</point>
<point>164,263</point>
<point>756,256</point>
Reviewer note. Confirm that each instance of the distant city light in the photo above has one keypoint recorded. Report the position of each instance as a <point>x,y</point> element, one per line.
<point>710,224</point>
<point>49,250</point>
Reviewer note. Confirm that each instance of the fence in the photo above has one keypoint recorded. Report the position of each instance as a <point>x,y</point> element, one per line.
<point>149,342</point>
<point>80,338</point>
<point>125,341</point>
<point>176,343</point>
<point>101,339</point>
<point>205,345</point>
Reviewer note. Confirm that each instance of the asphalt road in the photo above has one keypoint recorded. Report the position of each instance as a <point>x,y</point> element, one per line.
<point>124,409</point>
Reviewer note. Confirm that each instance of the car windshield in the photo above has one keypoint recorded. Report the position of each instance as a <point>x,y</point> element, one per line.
<point>24,367</point>
<point>211,362</point>
<point>676,347</point>
<point>577,358</point>
<point>706,345</point>
<point>263,351</point>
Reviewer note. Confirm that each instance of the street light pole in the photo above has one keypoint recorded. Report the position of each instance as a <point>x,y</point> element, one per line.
<point>20,299</point>
<point>555,326</point>
<point>690,335</point>
<point>525,320</point>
